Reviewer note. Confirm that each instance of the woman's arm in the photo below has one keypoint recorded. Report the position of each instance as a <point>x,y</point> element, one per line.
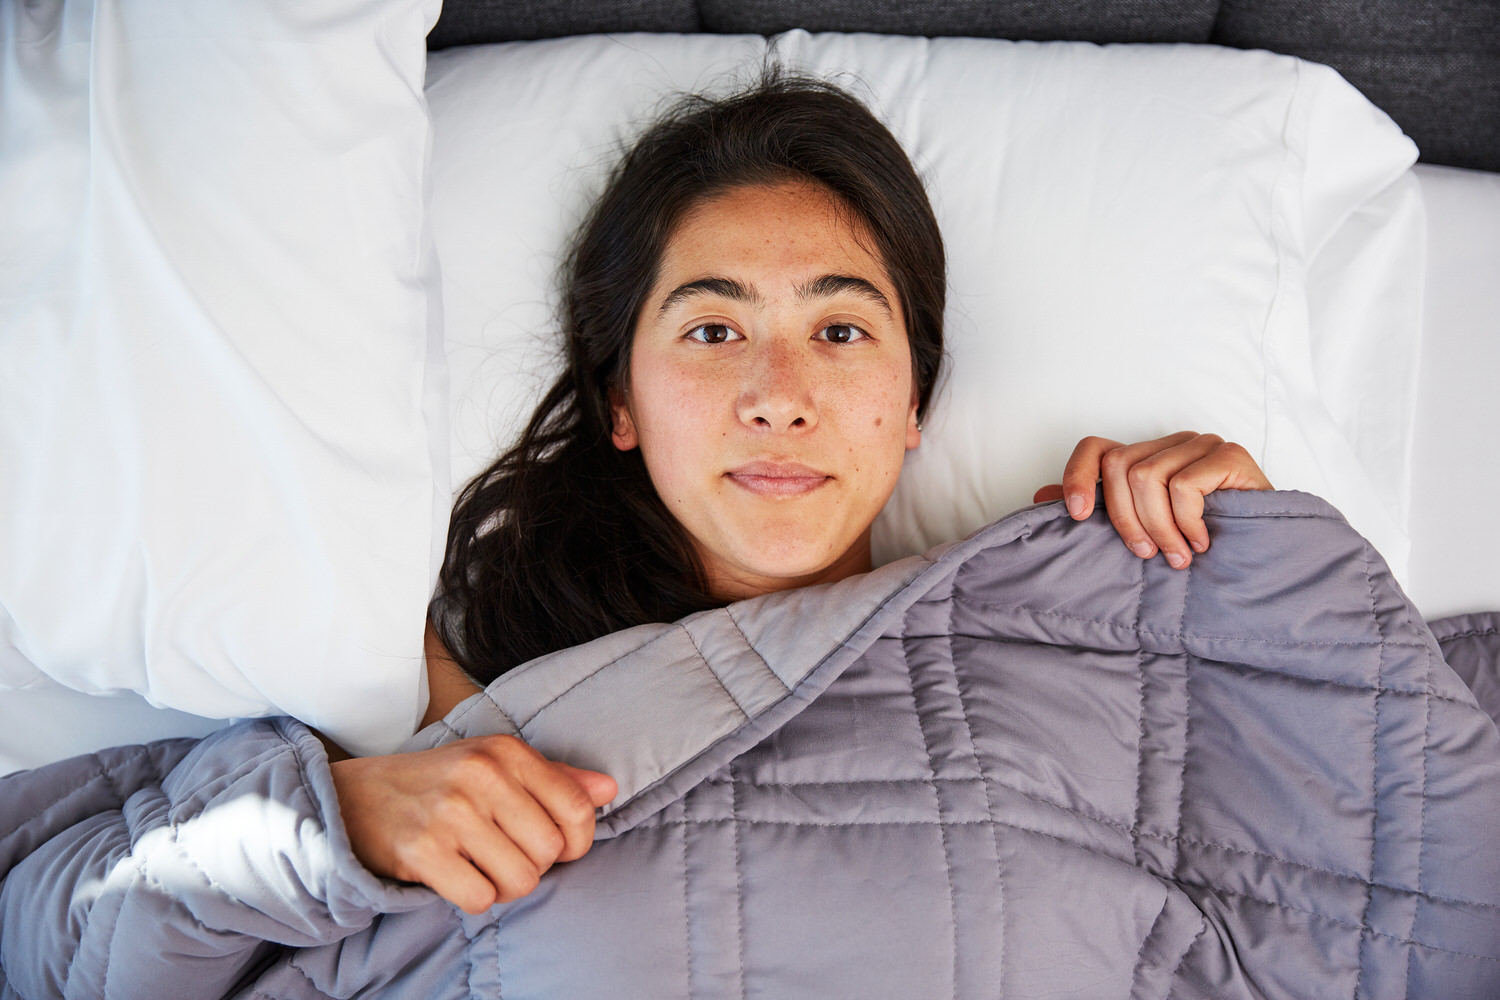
<point>1154,490</point>
<point>447,684</point>
<point>479,820</point>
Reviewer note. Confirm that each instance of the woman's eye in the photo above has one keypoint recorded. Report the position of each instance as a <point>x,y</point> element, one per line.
<point>842,333</point>
<point>713,333</point>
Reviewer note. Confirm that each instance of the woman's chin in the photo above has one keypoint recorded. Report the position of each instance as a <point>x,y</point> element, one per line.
<point>784,565</point>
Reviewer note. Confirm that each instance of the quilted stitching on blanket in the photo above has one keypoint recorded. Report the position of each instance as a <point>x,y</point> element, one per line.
<point>1030,765</point>
<point>1176,787</point>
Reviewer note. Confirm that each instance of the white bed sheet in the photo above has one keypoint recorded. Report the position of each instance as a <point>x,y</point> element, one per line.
<point>1455,563</point>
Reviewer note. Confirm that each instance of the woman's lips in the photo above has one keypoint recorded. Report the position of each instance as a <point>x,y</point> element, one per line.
<point>777,479</point>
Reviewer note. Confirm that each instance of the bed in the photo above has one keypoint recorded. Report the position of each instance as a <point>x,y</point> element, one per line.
<point>1400,426</point>
<point>278,282</point>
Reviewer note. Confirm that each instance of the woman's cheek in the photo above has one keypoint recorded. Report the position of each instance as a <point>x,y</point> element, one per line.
<point>685,428</point>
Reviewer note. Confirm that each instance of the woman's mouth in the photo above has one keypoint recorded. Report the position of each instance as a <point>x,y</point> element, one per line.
<point>777,479</point>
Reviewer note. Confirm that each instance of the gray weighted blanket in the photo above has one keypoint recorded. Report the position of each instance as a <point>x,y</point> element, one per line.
<point>1026,765</point>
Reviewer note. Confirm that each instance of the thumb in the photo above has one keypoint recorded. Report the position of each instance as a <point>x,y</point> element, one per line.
<point>601,788</point>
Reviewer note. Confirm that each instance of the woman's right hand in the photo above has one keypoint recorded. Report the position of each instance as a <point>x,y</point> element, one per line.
<point>479,820</point>
<point>1154,490</point>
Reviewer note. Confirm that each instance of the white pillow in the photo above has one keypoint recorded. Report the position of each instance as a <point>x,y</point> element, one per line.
<point>222,411</point>
<point>1130,231</point>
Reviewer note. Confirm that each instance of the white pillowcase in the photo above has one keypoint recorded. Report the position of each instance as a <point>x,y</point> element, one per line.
<point>1131,231</point>
<point>222,391</point>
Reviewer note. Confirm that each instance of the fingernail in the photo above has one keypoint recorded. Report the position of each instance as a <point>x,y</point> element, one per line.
<point>1200,547</point>
<point>1177,559</point>
<point>1075,504</point>
<point>1143,549</point>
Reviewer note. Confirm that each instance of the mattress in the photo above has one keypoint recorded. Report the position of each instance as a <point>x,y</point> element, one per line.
<point>1455,555</point>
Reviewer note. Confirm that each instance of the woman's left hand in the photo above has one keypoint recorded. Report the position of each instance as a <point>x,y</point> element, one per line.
<point>1154,490</point>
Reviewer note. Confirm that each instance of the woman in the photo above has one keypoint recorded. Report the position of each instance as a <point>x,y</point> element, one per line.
<point>753,317</point>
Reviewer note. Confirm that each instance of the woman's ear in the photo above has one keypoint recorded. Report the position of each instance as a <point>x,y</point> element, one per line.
<point>622,430</point>
<point>913,426</point>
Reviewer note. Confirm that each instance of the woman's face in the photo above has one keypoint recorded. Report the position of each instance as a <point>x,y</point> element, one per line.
<point>771,388</point>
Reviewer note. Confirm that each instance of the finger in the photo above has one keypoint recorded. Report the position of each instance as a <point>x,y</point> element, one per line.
<point>1227,467</point>
<point>1151,480</point>
<point>466,861</point>
<point>505,866</point>
<point>1047,494</point>
<point>1116,467</point>
<point>568,803</point>
<point>1187,507</point>
<point>462,884</point>
<point>1083,470</point>
<point>600,788</point>
<point>529,823</point>
<point>1240,470</point>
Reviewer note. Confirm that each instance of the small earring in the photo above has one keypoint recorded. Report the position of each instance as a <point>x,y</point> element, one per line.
<point>919,426</point>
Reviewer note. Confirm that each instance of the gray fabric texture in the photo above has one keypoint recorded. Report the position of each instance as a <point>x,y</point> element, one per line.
<point>1471,645</point>
<point>1432,65</point>
<point>1028,764</point>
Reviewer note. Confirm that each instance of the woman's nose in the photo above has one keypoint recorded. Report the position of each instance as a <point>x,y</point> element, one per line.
<point>777,393</point>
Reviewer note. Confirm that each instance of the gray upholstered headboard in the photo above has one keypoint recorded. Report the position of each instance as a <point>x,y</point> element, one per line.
<point>1433,65</point>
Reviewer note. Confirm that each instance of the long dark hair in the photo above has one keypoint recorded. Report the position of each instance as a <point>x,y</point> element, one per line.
<point>564,539</point>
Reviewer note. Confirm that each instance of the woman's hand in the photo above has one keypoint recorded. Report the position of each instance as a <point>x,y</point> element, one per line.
<point>478,820</point>
<point>1154,490</point>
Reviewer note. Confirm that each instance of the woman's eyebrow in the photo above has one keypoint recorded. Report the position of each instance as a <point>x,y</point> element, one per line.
<point>723,287</point>
<point>823,286</point>
<point>828,285</point>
